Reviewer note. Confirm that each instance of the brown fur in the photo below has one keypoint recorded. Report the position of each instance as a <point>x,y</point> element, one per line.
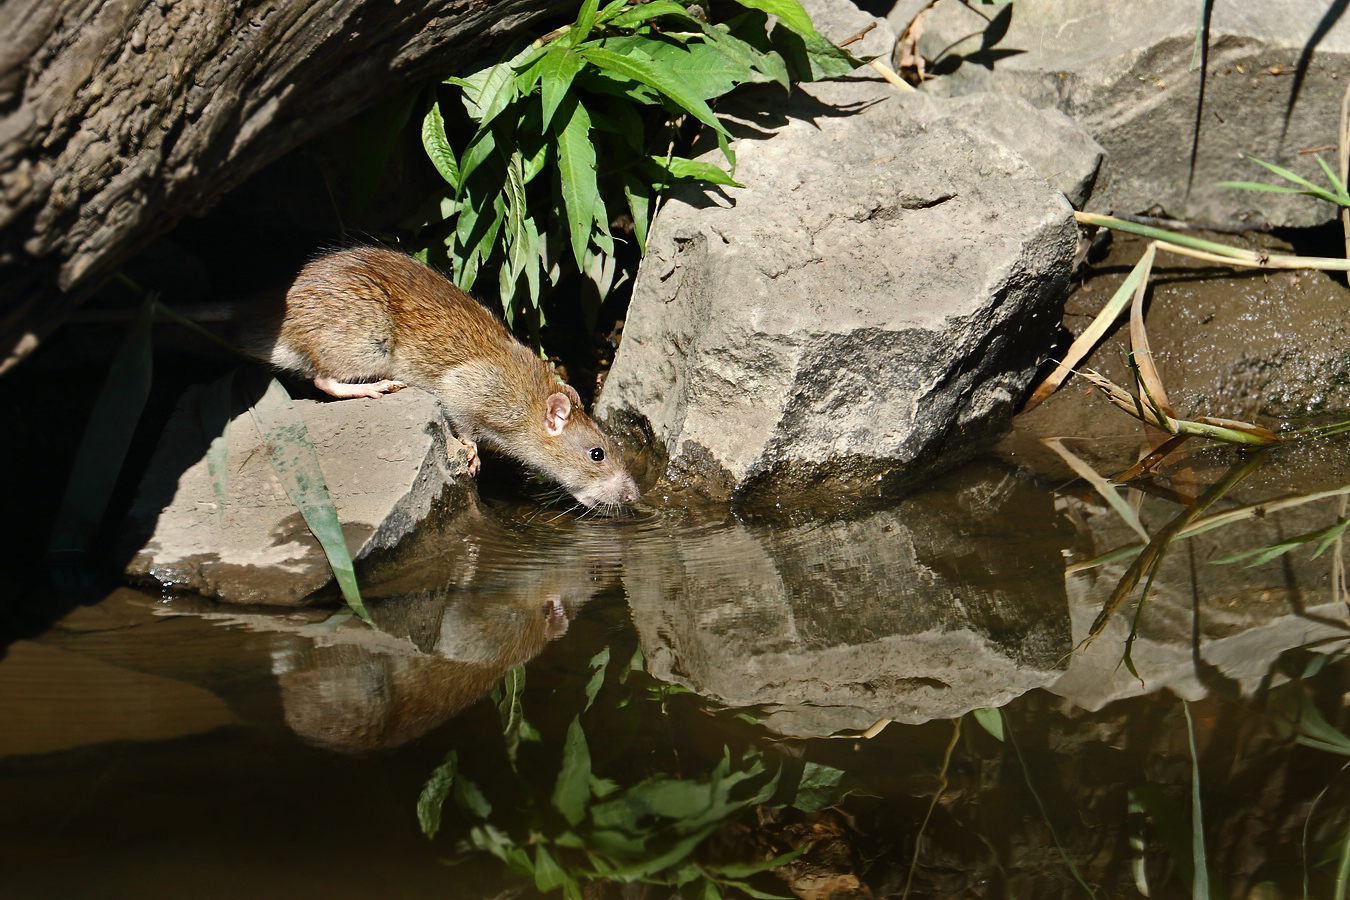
<point>370,313</point>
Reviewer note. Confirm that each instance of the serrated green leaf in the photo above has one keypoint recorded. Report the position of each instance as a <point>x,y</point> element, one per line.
<point>597,665</point>
<point>576,174</point>
<point>811,57</point>
<point>510,709</point>
<point>556,71</point>
<point>788,12</point>
<point>641,13</point>
<point>517,242</point>
<point>296,464</point>
<point>660,77</point>
<point>581,28</point>
<point>636,191</point>
<point>611,11</point>
<point>548,875</point>
<point>573,789</point>
<point>817,788</point>
<point>432,799</point>
<point>678,168</point>
<point>437,146</point>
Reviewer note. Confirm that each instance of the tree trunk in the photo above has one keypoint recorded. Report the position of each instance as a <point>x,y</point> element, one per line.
<point>119,117</point>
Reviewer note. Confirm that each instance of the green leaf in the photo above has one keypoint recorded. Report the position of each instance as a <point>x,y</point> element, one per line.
<point>434,792</point>
<point>378,134</point>
<point>813,58</point>
<point>516,240</point>
<point>662,78</point>
<point>788,12</point>
<point>701,67</point>
<point>1200,879</point>
<point>215,407</point>
<point>769,65</point>
<point>818,787</point>
<point>470,799</point>
<point>296,465</point>
<point>573,788</point>
<point>581,28</point>
<point>509,707</point>
<point>107,435</point>
<point>548,875</point>
<point>437,145</point>
<point>636,191</point>
<point>679,169</point>
<point>556,71</point>
<point>637,15</point>
<point>611,11</point>
<point>576,174</point>
<point>990,719</point>
<point>597,666</point>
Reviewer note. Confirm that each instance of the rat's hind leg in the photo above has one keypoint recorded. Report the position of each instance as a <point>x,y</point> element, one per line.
<point>343,390</point>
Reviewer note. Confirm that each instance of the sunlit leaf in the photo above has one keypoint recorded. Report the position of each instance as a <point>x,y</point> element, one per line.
<point>437,145</point>
<point>296,464</point>
<point>557,68</point>
<point>576,174</point>
<point>660,77</point>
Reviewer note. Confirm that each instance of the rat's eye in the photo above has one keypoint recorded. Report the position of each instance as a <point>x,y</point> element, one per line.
<point>597,454</point>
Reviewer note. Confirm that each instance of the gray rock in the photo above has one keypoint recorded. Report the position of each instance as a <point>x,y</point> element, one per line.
<point>1272,87</point>
<point>385,464</point>
<point>864,312</point>
<point>1053,144</point>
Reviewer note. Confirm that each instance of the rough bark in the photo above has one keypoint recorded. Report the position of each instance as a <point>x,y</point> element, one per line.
<point>119,117</point>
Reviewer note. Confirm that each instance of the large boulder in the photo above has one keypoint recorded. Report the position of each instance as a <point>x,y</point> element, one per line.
<point>867,310</point>
<point>1269,84</point>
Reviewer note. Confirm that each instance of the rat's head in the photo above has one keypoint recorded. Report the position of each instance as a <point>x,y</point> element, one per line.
<point>582,459</point>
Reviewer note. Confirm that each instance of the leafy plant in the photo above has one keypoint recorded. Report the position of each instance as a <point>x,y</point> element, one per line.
<point>567,824</point>
<point>548,147</point>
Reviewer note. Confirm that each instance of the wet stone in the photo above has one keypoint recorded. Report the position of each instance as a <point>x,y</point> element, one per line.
<point>239,538</point>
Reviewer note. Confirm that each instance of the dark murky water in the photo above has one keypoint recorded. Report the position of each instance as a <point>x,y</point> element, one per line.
<point>687,680</point>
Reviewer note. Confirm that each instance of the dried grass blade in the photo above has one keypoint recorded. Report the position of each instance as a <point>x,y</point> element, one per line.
<point>1127,401</point>
<point>1157,455</point>
<point>1151,556</point>
<point>1084,343</point>
<point>1108,491</point>
<point>1141,353</point>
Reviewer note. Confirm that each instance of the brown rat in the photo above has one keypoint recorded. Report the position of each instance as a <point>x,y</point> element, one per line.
<point>368,321</point>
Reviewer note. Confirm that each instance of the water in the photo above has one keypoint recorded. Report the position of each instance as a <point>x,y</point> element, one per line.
<point>937,686</point>
<point>155,746</point>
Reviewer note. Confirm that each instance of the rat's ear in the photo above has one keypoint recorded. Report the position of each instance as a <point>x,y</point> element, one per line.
<point>571,393</point>
<point>556,410</point>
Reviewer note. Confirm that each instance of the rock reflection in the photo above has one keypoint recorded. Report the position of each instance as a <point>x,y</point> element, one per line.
<point>950,601</point>
<point>503,598</point>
